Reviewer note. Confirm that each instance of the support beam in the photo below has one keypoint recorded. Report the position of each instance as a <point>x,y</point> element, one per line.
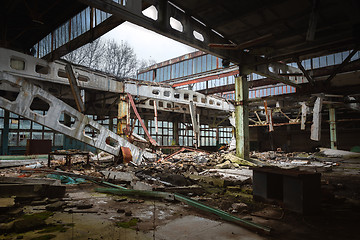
<point>242,117</point>
<point>195,123</point>
<point>303,115</point>
<point>339,68</point>
<point>176,132</point>
<point>316,125</point>
<point>310,35</point>
<point>21,106</point>
<point>5,134</point>
<point>152,141</point>
<point>332,121</point>
<point>75,90</point>
<point>132,11</point>
<point>123,115</point>
<point>156,117</point>
<point>306,73</point>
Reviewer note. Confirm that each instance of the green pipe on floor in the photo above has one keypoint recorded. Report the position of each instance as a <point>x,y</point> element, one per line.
<point>171,196</point>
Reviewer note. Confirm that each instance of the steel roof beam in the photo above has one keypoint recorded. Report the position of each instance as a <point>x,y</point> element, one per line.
<point>132,12</point>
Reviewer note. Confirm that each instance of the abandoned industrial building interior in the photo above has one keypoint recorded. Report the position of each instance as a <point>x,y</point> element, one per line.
<point>253,135</point>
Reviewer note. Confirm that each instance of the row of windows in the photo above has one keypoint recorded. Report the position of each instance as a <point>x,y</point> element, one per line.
<point>318,62</point>
<point>73,28</point>
<point>214,83</point>
<point>182,69</point>
<point>21,129</point>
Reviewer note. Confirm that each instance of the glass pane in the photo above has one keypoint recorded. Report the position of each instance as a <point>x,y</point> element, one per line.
<point>36,135</point>
<point>25,124</point>
<point>13,138</point>
<point>13,115</point>
<point>338,59</point>
<point>323,61</point>
<point>36,126</point>
<point>59,140</point>
<point>23,137</point>
<point>48,135</point>
<point>14,123</point>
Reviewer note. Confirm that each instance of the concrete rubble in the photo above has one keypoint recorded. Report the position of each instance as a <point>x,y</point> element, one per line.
<point>218,179</point>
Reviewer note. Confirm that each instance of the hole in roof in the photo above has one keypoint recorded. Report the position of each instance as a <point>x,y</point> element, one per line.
<point>176,24</point>
<point>151,12</point>
<point>198,36</point>
<point>155,92</point>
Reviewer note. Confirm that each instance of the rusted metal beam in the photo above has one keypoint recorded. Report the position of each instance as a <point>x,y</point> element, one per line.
<point>75,90</point>
<point>131,12</point>
<point>206,78</point>
<point>152,141</point>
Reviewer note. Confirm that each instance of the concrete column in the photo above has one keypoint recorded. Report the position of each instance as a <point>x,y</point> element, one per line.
<point>67,140</point>
<point>123,113</point>
<point>242,117</point>
<point>332,120</point>
<point>176,132</point>
<point>111,121</point>
<point>5,134</point>
<point>217,136</point>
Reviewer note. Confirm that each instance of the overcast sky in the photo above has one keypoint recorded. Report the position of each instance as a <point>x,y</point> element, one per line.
<point>148,44</point>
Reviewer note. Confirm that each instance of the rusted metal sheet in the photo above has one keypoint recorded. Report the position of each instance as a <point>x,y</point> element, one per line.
<point>126,154</point>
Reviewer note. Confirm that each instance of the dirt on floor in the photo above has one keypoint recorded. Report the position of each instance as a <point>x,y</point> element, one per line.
<point>217,180</point>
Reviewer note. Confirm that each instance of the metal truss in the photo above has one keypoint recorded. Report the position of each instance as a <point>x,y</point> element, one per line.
<point>132,11</point>
<point>55,72</point>
<point>105,139</point>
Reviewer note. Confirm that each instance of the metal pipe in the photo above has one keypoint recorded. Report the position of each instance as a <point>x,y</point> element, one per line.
<point>172,196</point>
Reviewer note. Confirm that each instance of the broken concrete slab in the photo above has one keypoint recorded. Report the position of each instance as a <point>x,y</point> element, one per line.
<point>30,180</point>
<point>18,163</point>
<point>120,176</point>
<point>239,174</point>
<point>56,206</point>
<point>234,159</point>
<point>334,153</point>
<point>141,186</point>
<point>7,202</point>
